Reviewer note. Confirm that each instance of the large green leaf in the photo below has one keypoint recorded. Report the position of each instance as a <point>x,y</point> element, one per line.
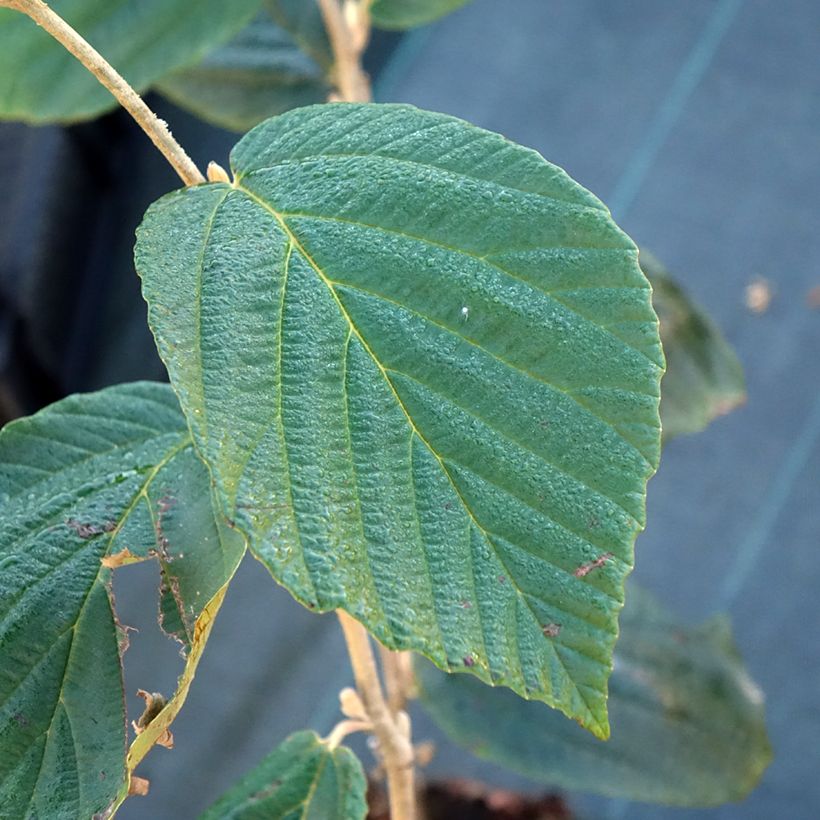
<point>704,378</point>
<point>401,14</point>
<point>144,39</point>
<point>261,72</point>
<point>687,722</point>
<point>107,477</point>
<point>422,365</point>
<point>303,779</point>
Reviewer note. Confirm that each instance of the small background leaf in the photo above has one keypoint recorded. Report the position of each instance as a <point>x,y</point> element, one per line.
<point>304,22</point>
<point>401,14</point>
<point>423,366</point>
<point>265,70</point>
<point>86,479</point>
<point>687,722</point>
<point>302,778</point>
<point>143,39</point>
<point>704,378</point>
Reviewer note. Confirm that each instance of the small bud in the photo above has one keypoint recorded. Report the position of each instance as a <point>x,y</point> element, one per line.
<point>351,704</point>
<point>216,173</point>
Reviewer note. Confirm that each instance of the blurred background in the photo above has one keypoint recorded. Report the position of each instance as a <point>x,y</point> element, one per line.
<point>697,124</point>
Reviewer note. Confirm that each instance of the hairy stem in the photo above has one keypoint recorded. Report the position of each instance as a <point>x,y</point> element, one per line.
<point>348,27</point>
<point>391,731</point>
<point>398,678</point>
<point>73,42</point>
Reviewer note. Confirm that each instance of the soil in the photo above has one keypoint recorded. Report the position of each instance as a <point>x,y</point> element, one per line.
<point>470,800</point>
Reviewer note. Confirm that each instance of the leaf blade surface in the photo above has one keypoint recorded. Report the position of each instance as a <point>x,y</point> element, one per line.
<point>41,82</point>
<point>88,482</point>
<point>264,70</point>
<point>397,400</point>
<point>402,14</point>
<point>303,778</point>
<point>687,721</point>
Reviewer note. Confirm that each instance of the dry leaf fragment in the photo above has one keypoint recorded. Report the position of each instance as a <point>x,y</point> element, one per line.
<point>138,786</point>
<point>155,702</point>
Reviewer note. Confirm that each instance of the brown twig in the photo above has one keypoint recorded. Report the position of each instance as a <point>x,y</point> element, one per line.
<point>348,27</point>
<point>391,731</point>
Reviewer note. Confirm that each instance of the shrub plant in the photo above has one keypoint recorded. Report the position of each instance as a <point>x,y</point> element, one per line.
<point>415,371</point>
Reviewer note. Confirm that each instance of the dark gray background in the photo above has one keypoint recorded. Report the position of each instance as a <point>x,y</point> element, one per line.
<point>698,122</point>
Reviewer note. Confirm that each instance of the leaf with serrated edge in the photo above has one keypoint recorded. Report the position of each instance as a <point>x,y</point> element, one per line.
<point>401,14</point>
<point>302,778</point>
<point>260,72</point>
<point>144,39</point>
<point>704,378</point>
<point>90,482</point>
<point>687,722</point>
<point>422,365</point>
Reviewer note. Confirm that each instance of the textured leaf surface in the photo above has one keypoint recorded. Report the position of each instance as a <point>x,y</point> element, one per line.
<point>301,780</point>
<point>263,71</point>
<point>144,39</point>
<point>704,378</point>
<point>687,722</point>
<point>422,365</point>
<point>400,14</point>
<point>82,481</point>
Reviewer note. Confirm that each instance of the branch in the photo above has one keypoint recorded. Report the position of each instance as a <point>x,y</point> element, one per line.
<point>348,28</point>
<point>154,127</point>
<point>392,732</point>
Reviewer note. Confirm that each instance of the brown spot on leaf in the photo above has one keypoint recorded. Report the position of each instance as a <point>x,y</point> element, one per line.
<point>90,530</point>
<point>469,660</point>
<point>466,605</point>
<point>21,720</point>
<point>585,569</point>
<point>552,630</point>
<point>502,579</point>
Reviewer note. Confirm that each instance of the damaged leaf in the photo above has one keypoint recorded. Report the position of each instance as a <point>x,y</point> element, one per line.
<point>687,722</point>
<point>302,778</point>
<point>81,481</point>
<point>157,730</point>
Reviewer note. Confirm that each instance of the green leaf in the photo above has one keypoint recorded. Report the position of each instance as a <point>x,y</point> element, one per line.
<point>303,779</point>
<point>422,366</point>
<point>262,71</point>
<point>88,483</point>
<point>304,22</point>
<point>144,39</point>
<point>401,14</point>
<point>687,722</point>
<point>704,378</point>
